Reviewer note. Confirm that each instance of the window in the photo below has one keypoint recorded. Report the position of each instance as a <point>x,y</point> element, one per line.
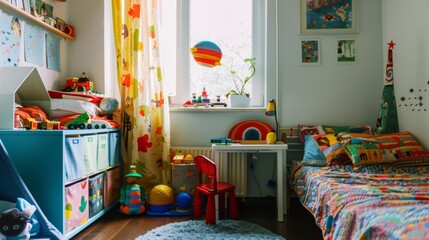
<point>238,27</point>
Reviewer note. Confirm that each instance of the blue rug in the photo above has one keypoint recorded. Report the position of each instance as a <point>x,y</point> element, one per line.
<point>198,229</point>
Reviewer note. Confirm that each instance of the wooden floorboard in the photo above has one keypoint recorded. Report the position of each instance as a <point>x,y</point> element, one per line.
<point>299,223</point>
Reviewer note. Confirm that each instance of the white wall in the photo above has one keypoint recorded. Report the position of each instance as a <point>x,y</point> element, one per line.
<point>86,53</point>
<point>331,93</point>
<point>410,61</point>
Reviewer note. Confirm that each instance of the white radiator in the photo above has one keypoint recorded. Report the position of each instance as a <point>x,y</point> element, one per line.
<point>236,165</point>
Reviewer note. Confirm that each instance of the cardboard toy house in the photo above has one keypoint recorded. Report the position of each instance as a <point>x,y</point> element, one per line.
<point>22,85</point>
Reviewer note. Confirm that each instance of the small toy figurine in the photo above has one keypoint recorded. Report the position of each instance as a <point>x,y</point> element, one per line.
<point>15,224</point>
<point>271,137</point>
<point>217,103</point>
<point>132,198</point>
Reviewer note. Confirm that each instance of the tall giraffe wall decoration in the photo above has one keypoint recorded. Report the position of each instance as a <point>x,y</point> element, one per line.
<point>387,120</point>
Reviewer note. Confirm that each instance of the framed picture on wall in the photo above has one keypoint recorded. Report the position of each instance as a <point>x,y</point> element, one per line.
<point>328,16</point>
<point>43,9</point>
<point>346,50</point>
<point>310,51</point>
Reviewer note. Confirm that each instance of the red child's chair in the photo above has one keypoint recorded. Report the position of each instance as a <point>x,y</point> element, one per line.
<point>209,186</point>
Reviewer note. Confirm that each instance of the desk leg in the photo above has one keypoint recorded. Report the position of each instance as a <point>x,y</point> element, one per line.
<point>280,186</point>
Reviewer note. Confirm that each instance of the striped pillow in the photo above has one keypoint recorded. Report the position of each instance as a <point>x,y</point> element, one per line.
<point>406,148</point>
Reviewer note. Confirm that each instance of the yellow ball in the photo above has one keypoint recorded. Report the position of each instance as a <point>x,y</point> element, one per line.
<point>161,195</point>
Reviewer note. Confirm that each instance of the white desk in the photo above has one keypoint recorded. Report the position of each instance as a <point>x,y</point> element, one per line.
<point>279,148</point>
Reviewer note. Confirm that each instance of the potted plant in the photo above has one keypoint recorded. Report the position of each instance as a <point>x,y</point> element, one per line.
<point>238,96</point>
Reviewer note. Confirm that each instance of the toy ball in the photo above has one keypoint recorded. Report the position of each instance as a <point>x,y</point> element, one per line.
<point>161,195</point>
<point>109,104</point>
<point>184,200</point>
<point>207,54</point>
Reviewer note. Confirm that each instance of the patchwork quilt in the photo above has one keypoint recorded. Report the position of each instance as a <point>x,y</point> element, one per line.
<point>370,202</point>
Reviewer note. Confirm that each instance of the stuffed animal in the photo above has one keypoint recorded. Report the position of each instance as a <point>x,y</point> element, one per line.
<point>15,224</point>
<point>132,194</point>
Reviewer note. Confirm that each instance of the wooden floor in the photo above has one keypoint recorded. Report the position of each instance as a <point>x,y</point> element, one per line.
<point>298,224</point>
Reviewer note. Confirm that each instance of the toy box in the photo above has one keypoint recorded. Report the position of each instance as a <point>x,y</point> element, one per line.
<point>96,194</point>
<point>90,153</point>
<point>76,205</point>
<point>102,151</point>
<point>74,158</point>
<point>184,178</point>
<point>22,85</point>
<point>112,186</point>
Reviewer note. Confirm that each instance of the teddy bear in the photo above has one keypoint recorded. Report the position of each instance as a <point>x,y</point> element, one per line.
<point>15,225</point>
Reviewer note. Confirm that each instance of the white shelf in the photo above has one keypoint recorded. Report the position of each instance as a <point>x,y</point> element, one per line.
<point>31,19</point>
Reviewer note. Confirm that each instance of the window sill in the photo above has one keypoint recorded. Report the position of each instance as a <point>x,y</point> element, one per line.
<point>216,109</point>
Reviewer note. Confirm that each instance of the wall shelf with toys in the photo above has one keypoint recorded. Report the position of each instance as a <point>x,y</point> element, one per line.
<point>6,6</point>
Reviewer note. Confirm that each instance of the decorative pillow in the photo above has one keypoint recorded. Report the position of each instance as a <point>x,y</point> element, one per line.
<point>332,145</point>
<point>368,153</point>
<point>332,148</point>
<point>313,156</point>
<point>407,150</point>
<point>344,129</point>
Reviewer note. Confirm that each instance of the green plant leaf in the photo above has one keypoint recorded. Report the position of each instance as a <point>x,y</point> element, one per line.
<point>239,83</point>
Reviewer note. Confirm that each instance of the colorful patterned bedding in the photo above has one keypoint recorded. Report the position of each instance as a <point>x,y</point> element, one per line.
<point>372,202</point>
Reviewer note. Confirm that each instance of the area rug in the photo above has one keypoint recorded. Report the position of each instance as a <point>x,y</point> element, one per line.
<point>198,229</point>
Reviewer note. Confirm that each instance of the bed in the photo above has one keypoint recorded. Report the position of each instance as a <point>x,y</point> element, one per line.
<point>364,198</point>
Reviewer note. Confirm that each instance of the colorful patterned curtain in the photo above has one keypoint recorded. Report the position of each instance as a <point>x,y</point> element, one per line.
<point>144,116</point>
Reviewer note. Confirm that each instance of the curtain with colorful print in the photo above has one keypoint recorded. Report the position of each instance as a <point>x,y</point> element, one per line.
<point>144,116</point>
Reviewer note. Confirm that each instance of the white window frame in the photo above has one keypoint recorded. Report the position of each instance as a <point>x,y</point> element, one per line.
<point>265,80</point>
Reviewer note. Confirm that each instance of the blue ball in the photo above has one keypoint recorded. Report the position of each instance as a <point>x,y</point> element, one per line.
<point>184,200</point>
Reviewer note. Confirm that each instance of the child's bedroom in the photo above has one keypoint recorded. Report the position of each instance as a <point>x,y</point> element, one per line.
<point>203,119</point>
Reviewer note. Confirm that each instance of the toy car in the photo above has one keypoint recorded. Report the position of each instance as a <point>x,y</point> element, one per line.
<point>82,84</point>
<point>79,122</point>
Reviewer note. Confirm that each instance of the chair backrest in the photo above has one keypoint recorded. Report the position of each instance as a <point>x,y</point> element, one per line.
<point>207,172</point>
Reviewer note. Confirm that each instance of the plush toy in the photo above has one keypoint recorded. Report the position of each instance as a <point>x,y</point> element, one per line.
<point>132,194</point>
<point>15,224</point>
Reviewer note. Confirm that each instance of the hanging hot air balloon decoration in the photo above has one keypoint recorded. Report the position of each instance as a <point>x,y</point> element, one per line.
<point>207,53</point>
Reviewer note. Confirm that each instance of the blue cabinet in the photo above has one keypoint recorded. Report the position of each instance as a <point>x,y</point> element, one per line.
<point>42,158</point>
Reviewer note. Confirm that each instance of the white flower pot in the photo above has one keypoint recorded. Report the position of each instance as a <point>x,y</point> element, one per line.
<point>239,101</point>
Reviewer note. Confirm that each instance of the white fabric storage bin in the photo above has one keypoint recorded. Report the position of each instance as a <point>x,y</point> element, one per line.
<point>90,153</point>
<point>102,151</point>
<point>73,164</point>
<point>114,149</point>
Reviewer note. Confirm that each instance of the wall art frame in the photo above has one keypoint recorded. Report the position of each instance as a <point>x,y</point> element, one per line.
<point>346,50</point>
<point>310,51</point>
<point>328,16</point>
